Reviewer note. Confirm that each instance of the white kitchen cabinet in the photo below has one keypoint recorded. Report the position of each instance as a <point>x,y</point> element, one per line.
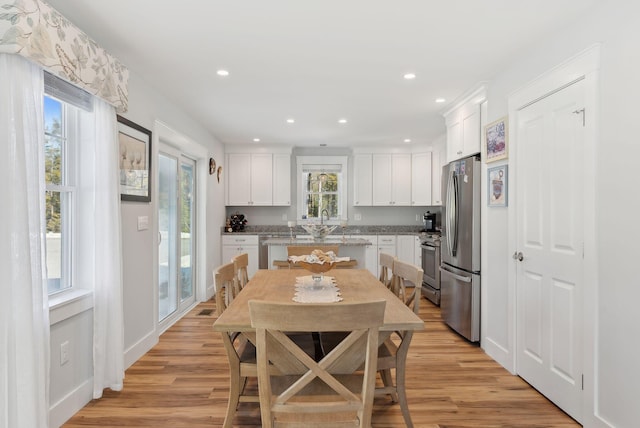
<point>281,179</point>
<point>463,131</point>
<point>249,179</point>
<point>436,178</point>
<point>417,251</point>
<point>370,254</point>
<point>386,244</point>
<point>232,245</point>
<point>421,189</point>
<point>363,186</point>
<point>405,248</point>
<point>391,179</point>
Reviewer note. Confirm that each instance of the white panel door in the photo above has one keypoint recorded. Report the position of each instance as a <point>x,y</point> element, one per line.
<point>549,210</point>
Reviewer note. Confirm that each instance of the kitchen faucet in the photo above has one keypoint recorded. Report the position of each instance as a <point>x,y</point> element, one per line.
<point>322,216</point>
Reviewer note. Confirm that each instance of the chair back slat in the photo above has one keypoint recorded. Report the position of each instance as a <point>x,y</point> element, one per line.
<point>240,265</point>
<point>226,286</point>
<point>408,283</point>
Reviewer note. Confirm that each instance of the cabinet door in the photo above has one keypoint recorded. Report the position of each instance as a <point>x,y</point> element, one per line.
<point>401,179</point>
<point>382,179</point>
<point>405,245</point>
<point>371,254</point>
<point>362,174</point>
<point>454,139</point>
<point>281,179</point>
<point>261,179</point>
<point>238,171</point>
<point>417,251</point>
<point>421,188</point>
<point>471,130</point>
<point>436,178</point>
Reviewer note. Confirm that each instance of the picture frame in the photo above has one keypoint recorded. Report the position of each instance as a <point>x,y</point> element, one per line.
<point>134,144</point>
<point>497,186</point>
<point>497,140</point>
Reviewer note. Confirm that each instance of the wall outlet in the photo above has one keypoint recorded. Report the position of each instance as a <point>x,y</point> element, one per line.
<point>357,217</point>
<point>64,353</point>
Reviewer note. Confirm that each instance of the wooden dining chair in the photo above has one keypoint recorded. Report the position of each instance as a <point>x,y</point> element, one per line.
<point>240,352</point>
<point>240,265</point>
<point>386,270</point>
<point>330,389</point>
<point>392,353</point>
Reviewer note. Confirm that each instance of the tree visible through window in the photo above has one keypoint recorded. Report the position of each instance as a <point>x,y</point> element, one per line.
<point>58,195</point>
<point>321,193</point>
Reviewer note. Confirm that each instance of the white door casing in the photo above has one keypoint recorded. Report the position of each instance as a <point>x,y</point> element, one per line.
<point>550,238</point>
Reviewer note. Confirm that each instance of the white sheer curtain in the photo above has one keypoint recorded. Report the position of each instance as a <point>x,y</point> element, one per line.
<point>99,247</point>
<point>24,309</point>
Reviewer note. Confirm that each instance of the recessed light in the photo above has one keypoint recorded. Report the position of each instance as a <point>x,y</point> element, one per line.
<point>409,76</point>
<point>290,120</point>
<point>256,140</point>
<point>407,140</point>
<point>222,73</point>
<point>440,100</point>
<point>342,120</point>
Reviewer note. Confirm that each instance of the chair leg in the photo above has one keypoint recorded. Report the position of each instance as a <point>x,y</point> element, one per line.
<point>402,395</point>
<point>234,398</point>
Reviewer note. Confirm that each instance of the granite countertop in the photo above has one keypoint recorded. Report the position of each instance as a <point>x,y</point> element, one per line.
<point>283,231</point>
<point>337,240</point>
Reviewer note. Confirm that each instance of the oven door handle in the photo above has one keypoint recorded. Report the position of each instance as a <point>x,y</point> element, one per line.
<point>428,247</point>
<point>456,276</point>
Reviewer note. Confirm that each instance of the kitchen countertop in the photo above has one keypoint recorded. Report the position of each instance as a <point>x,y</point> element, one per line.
<point>283,231</point>
<point>337,240</point>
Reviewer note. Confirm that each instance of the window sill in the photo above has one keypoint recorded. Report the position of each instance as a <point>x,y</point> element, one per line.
<point>68,304</point>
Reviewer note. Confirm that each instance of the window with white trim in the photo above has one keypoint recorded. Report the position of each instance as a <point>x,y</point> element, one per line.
<point>322,183</point>
<point>61,114</point>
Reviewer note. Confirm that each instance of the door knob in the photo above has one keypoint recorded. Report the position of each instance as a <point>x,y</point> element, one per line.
<point>518,256</point>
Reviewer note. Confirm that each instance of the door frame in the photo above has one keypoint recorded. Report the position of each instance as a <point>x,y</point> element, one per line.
<point>163,134</point>
<point>583,66</point>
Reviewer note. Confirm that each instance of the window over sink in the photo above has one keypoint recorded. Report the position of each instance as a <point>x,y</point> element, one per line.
<point>322,185</point>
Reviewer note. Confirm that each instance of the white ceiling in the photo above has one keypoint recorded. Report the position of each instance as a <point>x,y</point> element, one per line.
<point>318,60</point>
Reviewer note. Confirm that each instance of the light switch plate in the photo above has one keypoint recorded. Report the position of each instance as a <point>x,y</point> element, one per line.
<point>143,222</point>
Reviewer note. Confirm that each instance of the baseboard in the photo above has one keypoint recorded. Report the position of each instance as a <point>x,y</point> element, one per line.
<point>135,352</point>
<point>70,404</point>
<point>499,353</point>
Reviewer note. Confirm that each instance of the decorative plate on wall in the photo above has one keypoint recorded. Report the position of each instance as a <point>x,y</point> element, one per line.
<point>212,166</point>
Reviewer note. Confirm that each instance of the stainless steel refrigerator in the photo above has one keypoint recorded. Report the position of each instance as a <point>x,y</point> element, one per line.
<point>460,246</point>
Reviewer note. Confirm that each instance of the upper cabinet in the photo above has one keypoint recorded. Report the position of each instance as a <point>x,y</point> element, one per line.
<point>421,188</point>
<point>258,179</point>
<point>391,179</point>
<point>281,179</point>
<point>464,124</point>
<point>363,180</point>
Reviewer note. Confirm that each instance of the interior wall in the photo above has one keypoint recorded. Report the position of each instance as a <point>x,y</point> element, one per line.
<point>616,375</point>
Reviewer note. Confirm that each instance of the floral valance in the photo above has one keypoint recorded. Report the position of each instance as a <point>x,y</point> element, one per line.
<point>37,31</point>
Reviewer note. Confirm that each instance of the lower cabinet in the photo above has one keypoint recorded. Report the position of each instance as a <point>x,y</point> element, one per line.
<point>386,244</point>
<point>233,245</point>
<point>370,254</point>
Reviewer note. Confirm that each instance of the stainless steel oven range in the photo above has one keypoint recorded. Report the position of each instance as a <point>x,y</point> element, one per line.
<point>430,245</point>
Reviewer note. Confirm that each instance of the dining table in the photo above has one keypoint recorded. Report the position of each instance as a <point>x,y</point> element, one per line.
<point>354,285</point>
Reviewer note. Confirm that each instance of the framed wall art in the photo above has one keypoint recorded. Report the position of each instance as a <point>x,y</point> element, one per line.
<point>496,140</point>
<point>497,182</point>
<point>135,161</point>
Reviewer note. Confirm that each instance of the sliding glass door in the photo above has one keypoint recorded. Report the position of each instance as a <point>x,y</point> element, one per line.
<point>176,221</point>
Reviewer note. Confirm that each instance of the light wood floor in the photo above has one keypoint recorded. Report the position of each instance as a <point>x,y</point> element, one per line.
<point>183,382</point>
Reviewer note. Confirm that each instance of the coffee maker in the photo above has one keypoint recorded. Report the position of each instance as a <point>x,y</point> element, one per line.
<point>429,221</point>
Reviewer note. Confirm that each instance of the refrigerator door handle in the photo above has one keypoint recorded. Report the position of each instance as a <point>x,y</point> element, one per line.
<point>456,276</point>
<point>452,214</point>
